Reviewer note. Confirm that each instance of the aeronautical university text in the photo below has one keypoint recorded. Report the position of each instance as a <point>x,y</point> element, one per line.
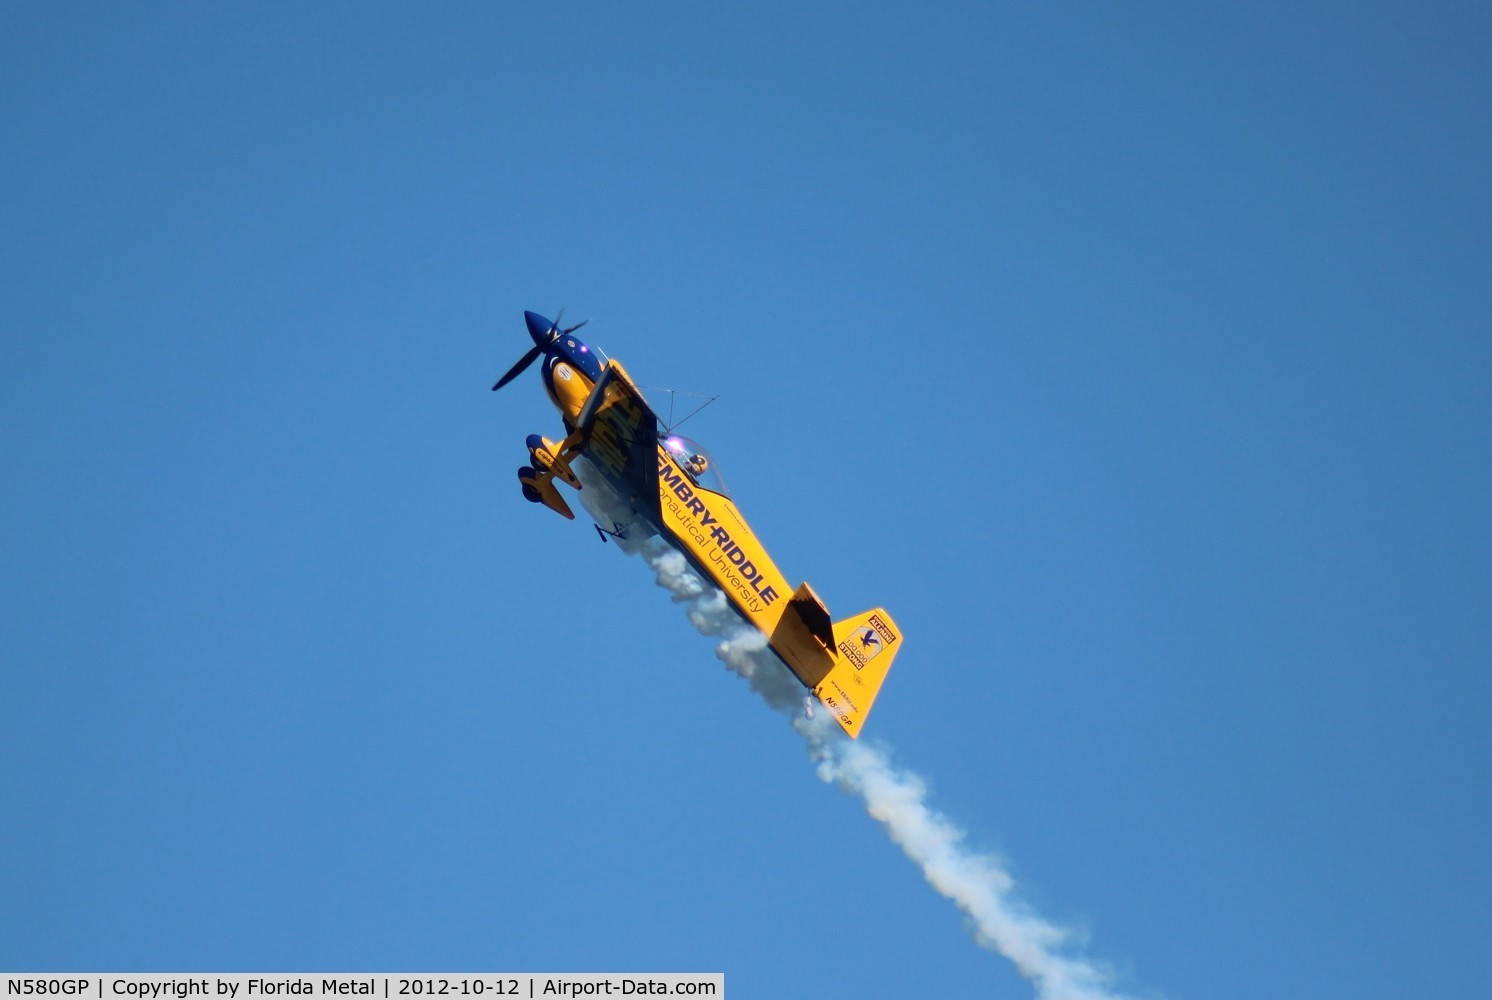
<point>708,532</point>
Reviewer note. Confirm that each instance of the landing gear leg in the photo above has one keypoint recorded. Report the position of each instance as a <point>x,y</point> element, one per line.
<point>617,531</point>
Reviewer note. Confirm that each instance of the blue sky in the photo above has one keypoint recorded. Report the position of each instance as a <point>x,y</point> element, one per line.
<point>1136,357</point>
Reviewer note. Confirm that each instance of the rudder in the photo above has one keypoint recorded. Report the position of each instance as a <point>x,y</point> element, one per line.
<point>865,645</point>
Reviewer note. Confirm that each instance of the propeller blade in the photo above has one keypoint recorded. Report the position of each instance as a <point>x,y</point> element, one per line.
<point>571,329</point>
<point>523,362</point>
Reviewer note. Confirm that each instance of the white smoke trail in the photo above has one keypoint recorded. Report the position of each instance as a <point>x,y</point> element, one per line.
<point>979,885</point>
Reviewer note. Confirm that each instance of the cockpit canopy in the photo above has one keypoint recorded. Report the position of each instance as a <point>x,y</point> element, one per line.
<point>696,463</point>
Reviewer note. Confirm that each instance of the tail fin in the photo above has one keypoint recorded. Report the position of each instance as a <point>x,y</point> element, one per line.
<point>865,645</point>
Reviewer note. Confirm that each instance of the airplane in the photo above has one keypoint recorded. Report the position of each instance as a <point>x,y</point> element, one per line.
<point>674,490</point>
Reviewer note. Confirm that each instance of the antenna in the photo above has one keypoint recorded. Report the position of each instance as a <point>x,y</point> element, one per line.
<point>668,425</point>
<point>701,406</point>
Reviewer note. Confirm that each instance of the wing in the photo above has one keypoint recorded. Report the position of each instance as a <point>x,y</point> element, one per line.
<point>620,432</point>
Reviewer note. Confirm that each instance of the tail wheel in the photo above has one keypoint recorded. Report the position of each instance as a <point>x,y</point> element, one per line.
<point>526,472</point>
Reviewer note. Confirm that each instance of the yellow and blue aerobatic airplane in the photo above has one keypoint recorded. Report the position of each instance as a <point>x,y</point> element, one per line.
<point>674,489</point>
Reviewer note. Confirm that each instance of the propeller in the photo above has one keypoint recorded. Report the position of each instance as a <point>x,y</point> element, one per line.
<point>529,358</point>
<point>545,333</point>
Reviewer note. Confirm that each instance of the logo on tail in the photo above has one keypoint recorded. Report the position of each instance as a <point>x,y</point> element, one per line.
<point>867,642</point>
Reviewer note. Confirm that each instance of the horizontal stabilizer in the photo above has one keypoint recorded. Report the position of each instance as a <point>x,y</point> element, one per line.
<point>810,609</point>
